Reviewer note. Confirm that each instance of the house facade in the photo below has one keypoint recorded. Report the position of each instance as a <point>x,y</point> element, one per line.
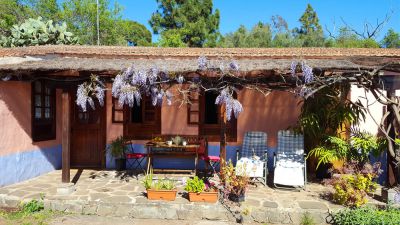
<point>40,97</point>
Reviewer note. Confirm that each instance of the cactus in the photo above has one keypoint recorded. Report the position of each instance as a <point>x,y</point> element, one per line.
<point>38,32</point>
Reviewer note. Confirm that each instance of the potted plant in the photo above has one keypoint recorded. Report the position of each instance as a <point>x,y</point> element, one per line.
<point>117,150</point>
<point>200,191</point>
<point>235,186</point>
<point>162,189</point>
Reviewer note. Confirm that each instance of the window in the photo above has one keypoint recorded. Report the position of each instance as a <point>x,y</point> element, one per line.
<point>209,119</point>
<point>142,122</point>
<point>43,111</point>
<point>117,112</point>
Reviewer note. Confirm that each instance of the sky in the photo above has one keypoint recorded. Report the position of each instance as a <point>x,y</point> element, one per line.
<point>248,12</point>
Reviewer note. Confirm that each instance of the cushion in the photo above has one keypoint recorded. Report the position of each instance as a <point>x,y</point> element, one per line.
<point>135,155</point>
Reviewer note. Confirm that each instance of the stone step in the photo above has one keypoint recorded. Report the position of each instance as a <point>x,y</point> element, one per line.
<point>149,210</point>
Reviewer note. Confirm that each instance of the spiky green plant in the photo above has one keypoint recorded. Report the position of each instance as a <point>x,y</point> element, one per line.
<point>118,148</point>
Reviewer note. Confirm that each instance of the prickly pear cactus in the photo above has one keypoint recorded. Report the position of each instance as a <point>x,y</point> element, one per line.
<point>38,32</point>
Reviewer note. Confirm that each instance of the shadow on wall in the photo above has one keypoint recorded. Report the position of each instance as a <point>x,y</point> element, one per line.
<point>22,166</point>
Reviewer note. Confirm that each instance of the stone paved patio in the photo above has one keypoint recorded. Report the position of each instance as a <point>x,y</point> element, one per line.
<point>111,193</point>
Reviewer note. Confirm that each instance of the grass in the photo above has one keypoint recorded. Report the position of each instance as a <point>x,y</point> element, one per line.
<point>307,219</point>
<point>31,213</point>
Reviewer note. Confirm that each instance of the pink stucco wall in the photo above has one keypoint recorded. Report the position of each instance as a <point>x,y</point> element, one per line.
<point>15,118</point>
<point>278,110</point>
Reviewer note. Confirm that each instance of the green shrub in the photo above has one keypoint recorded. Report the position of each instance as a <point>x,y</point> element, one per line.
<point>32,206</point>
<point>195,185</point>
<point>367,216</point>
<point>352,190</point>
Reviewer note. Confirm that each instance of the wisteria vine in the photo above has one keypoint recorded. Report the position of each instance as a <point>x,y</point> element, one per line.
<point>131,84</point>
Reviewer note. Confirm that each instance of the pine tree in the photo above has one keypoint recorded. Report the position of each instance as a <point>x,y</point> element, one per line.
<point>391,39</point>
<point>192,21</point>
<point>310,31</point>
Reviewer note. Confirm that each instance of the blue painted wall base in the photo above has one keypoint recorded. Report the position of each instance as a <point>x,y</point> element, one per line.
<point>22,166</point>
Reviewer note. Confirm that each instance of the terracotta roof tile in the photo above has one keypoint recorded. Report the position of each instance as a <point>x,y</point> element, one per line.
<point>155,52</point>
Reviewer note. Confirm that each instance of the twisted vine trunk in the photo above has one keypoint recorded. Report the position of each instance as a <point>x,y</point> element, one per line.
<point>393,156</point>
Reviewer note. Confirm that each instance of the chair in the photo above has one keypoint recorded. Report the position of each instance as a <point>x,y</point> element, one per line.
<point>254,151</point>
<point>289,161</point>
<point>210,160</point>
<point>134,160</point>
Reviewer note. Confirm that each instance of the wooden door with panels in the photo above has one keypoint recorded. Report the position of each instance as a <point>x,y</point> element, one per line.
<point>88,135</point>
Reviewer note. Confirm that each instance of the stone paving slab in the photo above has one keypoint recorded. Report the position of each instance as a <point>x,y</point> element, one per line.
<point>110,193</point>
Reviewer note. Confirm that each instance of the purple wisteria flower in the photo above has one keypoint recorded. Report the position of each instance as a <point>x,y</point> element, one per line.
<point>180,79</point>
<point>87,91</point>
<point>6,78</point>
<point>233,66</point>
<point>82,96</point>
<point>231,104</point>
<point>152,75</point>
<point>99,92</point>
<point>307,73</point>
<point>202,62</point>
<point>293,67</point>
<point>129,86</point>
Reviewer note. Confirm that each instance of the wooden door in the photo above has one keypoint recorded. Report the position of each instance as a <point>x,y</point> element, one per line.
<point>87,136</point>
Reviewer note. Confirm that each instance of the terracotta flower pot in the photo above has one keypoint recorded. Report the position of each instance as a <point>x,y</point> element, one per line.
<point>167,195</point>
<point>211,196</point>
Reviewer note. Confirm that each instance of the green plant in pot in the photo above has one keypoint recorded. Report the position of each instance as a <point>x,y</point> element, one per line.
<point>117,150</point>
<point>200,191</point>
<point>235,186</point>
<point>161,189</point>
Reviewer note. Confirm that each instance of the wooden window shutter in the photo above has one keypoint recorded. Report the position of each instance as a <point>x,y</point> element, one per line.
<point>117,112</point>
<point>193,116</point>
<point>144,126</point>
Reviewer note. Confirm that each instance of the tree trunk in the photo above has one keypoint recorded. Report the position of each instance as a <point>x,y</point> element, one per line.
<point>393,153</point>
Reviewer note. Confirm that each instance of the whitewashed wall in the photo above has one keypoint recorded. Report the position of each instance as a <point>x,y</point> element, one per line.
<point>375,107</point>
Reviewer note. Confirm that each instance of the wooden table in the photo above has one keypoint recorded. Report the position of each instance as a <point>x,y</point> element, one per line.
<point>163,150</point>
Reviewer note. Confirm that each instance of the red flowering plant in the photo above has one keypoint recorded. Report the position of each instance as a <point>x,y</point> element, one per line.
<point>234,185</point>
<point>210,186</point>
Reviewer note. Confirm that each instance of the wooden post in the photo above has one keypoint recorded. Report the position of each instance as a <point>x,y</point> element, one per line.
<point>66,135</point>
<point>223,135</point>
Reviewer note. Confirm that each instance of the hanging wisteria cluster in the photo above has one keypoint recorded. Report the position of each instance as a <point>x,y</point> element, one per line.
<point>303,89</point>
<point>129,86</point>
<point>89,90</point>
<point>231,105</point>
<point>306,71</point>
